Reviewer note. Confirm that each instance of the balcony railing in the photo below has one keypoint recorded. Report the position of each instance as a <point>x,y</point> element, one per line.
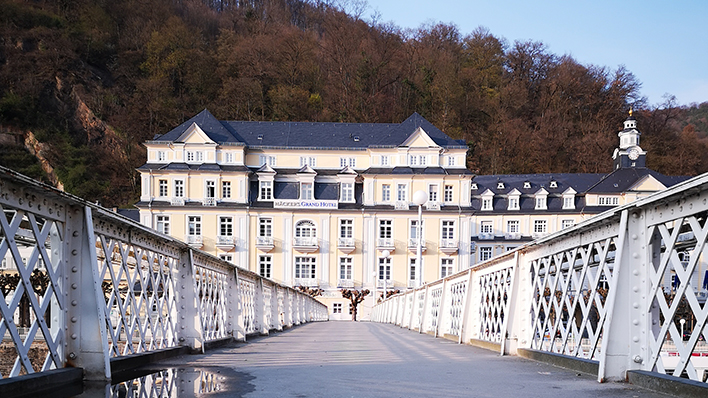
<point>177,201</point>
<point>346,242</point>
<point>195,240</point>
<point>209,202</point>
<point>345,283</point>
<point>448,243</point>
<point>308,241</point>
<point>401,205</point>
<point>486,236</point>
<point>384,242</point>
<point>310,282</point>
<point>224,240</point>
<point>432,206</point>
<point>388,284</point>
<point>264,243</point>
<point>512,236</point>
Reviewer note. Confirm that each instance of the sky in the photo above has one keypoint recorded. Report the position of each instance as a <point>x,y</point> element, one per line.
<point>663,43</point>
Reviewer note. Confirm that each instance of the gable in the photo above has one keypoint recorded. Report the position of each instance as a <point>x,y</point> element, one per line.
<point>194,135</point>
<point>419,139</point>
<point>647,183</point>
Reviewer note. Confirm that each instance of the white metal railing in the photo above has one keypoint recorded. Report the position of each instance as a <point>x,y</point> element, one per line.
<point>305,242</point>
<point>448,243</point>
<point>224,240</point>
<point>345,283</point>
<point>98,286</point>
<point>209,202</point>
<point>264,241</point>
<point>384,242</point>
<point>177,201</point>
<point>413,243</point>
<point>193,239</point>
<point>612,289</point>
<point>346,242</point>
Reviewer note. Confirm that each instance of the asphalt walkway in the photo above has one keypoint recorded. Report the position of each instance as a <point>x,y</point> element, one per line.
<point>362,359</point>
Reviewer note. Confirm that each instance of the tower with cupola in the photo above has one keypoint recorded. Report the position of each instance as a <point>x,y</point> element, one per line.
<point>629,153</point>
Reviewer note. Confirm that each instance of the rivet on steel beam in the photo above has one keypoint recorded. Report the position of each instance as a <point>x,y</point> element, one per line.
<point>74,303</point>
<point>635,305</point>
<point>74,252</point>
<point>72,355</point>
<point>181,327</point>
<point>74,319</point>
<point>638,359</point>
<point>182,317</point>
<point>635,322</point>
<point>74,336</point>
<point>635,289</point>
<point>635,237</point>
<point>75,234</point>
<point>635,255</point>
<point>635,272</point>
<point>182,307</point>
<point>74,286</point>
<point>74,269</point>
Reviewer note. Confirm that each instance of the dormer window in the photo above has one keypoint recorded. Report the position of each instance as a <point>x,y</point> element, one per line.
<point>384,160</point>
<point>474,186</point>
<point>527,185</point>
<point>229,157</point>
<point>344,162</point>
<point>541,202</point>
<point>347,192</point>
<point>451,161</point>
<point>417,160</point>
<point>513,203</point>
<point>569,199</point>
<point>308,161</point>
<point>553,184</point>
<point>266,159</point>
<point>500,185</point>
<point>306,189</point>
<point>266,190</point>
<point>486,203</point>
<point>195,156</point>
<point>161,156</point>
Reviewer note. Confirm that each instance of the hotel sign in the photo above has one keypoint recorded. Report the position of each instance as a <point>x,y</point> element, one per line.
<point>305,204</point>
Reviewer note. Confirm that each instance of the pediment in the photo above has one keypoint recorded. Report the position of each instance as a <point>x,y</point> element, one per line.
<point>487,192</point>
<point>514,192</point>
<point>647,183</point>
<point>570,191</point>
<point>419,139</point>
<point>306,169</point>
<point>194,135</point>
<point>541,192</point>
<point>266,169</point>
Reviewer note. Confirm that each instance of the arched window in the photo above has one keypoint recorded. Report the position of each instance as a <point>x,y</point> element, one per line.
<point>305,229</point>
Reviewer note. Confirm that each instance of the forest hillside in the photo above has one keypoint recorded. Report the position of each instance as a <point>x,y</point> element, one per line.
<point>84,82</point>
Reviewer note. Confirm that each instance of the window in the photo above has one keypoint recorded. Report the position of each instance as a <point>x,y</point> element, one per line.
<point>527,185</point>
<point>384,160</point>
<point>451,161</point>
<point>385,229</point>
<point>567,224</point>
<point>305,229</point>
<point>336,308</point>
<point>608,201</point>
<point>306,190</point>
<point>541,202</point>
<point>199,155</point>
<point>226,226</point>
<point>308,160</point>
<point>305,267</point>
<point>194,225</point>
<point>179,188</point>
<point>448,193</point>
<point>190,156</point>
<point>210,189</point>
<point>411,269</point>
<point>346,228</point>
<point>163,187</point>
<point>486,227</point>
<point>264,265</point>
<point>385,268</point>
<point>423,160</point>
<point>347,192</point>
<point>500,185</point>
<point>412,160</point>
<point>433,193</point>
<point>386,193</point>
<point>343,162</point>
<point>402,192</point>
<point>568,202</point>
<point>227,257</point>
<point>414,231</point>
<point>228,157</point>
<point>446,267</point>
<point>162,224</point>
<point>226,189</point>
<point>540,226</point>
<point>266,190</point>
<point>345,268</point>
<point>485,253</point>
<point>161,156</point>
<point>513,203</point>
<point>265,227</point>
<point>448,229</point>
<point>512,226</point>
<point>487,203</point>
<point>269,160</point>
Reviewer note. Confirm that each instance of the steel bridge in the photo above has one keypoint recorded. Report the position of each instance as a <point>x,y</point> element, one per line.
<point>88,293</point>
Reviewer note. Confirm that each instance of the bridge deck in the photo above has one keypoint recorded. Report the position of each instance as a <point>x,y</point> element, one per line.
<point>348,359</point>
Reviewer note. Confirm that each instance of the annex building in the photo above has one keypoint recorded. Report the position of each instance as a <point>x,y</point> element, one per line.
<point>330,205</point>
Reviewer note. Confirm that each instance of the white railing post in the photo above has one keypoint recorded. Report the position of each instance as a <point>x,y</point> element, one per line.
<point>508,329</point>
<point>464,327</point>
<point>441,308</point>
<point>86,336</point>
<point>259,307</point>
<point>190,331</point>
<point>234,308</point>
<point>288,308</point>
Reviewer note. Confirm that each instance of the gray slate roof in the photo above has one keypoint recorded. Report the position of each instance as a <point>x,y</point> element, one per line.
<point>311,134</point>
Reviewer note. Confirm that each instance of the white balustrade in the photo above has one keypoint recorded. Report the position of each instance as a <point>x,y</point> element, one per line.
<point>626,289</point>
<point>99,287</point>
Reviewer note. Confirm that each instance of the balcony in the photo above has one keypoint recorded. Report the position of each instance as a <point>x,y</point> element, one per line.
<point>345,283</point>
<point>432,206</point>
<point>194,241</point>
<point>264,243</point>
<point>388,284</point>
<point>306,244</point>
<point>225,242</point>
<point>209,202</point>
<point>346,245</point>
<point>401,205</point>
<point>513,236</point>
<point>177,201</point>
<point>385,243</point>
<point>413,245</point>
<point>486,236</point>
<point>309,282</point>
<point>449,246</point>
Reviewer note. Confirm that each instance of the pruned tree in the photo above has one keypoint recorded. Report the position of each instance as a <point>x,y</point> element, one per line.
<point>312,291</point>
<point>355,297</point>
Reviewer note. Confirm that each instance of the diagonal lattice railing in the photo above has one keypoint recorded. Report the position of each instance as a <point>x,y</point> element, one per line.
<point>627,289</point>
<point>81,286</point>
